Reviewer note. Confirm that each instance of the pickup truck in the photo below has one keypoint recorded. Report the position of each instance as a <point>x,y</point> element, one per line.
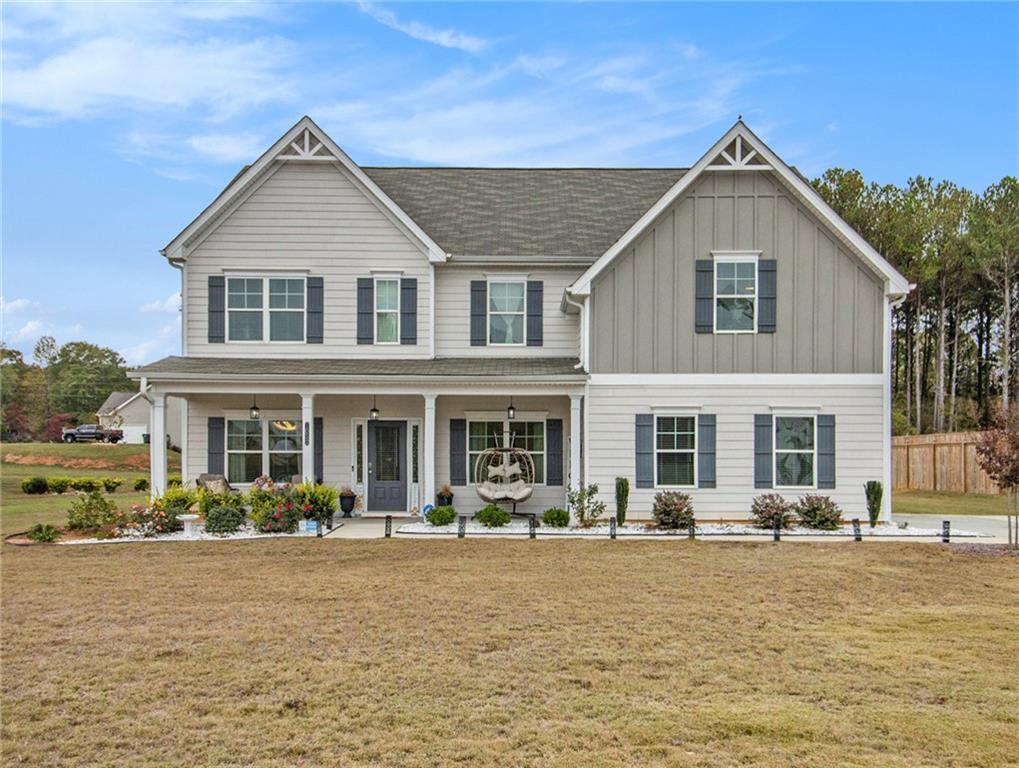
<point>91,433</point>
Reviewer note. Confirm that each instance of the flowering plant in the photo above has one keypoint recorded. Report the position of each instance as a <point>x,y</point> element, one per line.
<point>284,517</point>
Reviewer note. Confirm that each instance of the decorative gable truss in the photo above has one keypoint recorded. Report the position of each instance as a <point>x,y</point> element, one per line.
<point>738,156</point>
<point>307,147</point>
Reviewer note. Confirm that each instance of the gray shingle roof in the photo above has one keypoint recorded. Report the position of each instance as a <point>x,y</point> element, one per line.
<point>481,367</point>
<point>115,400</point>
<point>553,214</point>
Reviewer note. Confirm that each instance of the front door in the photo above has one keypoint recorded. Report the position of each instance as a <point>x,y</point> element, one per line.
<point>387,466</point>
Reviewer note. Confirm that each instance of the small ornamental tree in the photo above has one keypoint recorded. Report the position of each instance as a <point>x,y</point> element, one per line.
<point>998,454</point>
<point>53,432</point>
<point>622,498</point>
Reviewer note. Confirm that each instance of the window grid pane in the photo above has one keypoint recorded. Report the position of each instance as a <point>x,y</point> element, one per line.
<point>506,304</point>
<point>675,443</point>
<point>386,324</point>
<point>387,295</point>
<point>735,287</point>
<point>286,325</point>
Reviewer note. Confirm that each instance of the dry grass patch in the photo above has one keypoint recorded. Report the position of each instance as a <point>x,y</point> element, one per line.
<point>563,653</point>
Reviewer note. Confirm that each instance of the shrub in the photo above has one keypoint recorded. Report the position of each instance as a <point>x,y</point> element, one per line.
<point>92,511</point>
<point>178,498</point>
<point>222,520</point>
<point>152,520</point>
<point>85,484</point>
<point>767,507</point>
<point>208,499</point>
<point>873,490</point>
<point>43,533</point>
<point>319,501</point>
<point>673,510</point>
<point>284,517</point>
<point>35,485</point>
<point>493,516</point>
<point>141,484</point>
<point>174,480</point>
<point>585,504</point>
<point>556,517</point>
<point>59,484</point>
<point>441,515</point>
<point>819,512</point>
<point>622,498</point>
<point>111,484</point>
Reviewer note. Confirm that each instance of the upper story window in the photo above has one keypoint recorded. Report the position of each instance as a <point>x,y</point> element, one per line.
<point>265,309</point>
<point>795,446</point>
<point>387,310</point>
<point>506,307</point>
<point>675,451</point>
<point>736,294</point>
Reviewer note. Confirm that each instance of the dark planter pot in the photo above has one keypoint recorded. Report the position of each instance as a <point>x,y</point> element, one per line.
<point>347,504</point>
<point>444,501</point>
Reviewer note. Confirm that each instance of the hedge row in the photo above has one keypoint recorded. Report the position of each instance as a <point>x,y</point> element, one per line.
<point>85,484</point>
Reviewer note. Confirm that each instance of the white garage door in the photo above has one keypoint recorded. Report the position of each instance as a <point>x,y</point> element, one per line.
<point>133,433</point>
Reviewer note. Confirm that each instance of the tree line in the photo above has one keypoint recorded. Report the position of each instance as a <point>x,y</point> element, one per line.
<point>954,338</point>
<point>63,385</point>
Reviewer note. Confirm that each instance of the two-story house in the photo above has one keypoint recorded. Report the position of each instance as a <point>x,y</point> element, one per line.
<point>716,329</point>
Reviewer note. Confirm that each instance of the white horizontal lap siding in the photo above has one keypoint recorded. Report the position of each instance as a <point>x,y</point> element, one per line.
<point>308,218</point>
<point>560,331</point>
<point>859,435</point>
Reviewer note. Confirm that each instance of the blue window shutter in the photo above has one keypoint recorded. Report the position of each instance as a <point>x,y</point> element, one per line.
<point>217,309</point>
<point>826,450</point>
<point>365,310</point>
<point>315,301</point>
<point>535,294</point>
<point>479,313</point>
<point>767,295</point>
<point>216,445</point>
<point>458,451</point>
<point>318,443</point>
<point>554,452</point>
<point>704,314</point>
<point>644,455</point>
<point>409,310</point>
<point>763,437</point>
<point>706,450</point>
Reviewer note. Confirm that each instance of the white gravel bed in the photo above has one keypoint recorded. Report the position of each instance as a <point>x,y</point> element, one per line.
<point>519,528</point>
<point>198,534</point>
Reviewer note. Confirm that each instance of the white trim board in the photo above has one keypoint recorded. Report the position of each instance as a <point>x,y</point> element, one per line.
<point>737,379</point>
<point>896,284</point>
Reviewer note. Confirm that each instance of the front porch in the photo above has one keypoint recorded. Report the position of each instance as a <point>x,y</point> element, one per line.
<point>395,445</point>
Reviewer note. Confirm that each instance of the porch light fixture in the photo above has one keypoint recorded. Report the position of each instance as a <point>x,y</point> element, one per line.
<point>373,414</point>
<point>511,412</point>
<point>255,413</point>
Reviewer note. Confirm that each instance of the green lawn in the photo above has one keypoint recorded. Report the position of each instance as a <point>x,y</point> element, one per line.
<point>943,503</point>
<point>19,511</point>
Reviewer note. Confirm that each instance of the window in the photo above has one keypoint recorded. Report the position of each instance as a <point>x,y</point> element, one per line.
<point>265,308</point>
<point>262,447</point>
<point>794,451</point>
<point>675,449</point>
<point>736,295</point>
<point>414,442</point>
<point>387,311</point>
<point>529,435</point>
<point>506,312</point>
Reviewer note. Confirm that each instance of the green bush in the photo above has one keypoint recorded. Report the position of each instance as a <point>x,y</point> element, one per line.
<point>319,501</point>
<point>208,499</point>
<point>59,484</point>
<point>174,480</point>
<point>622,498</point>
<point>43,533</point>
<point>141,484</point>
<point>819,512</point>
<point>673,510</point>
<point>92,511</point>
<point>493,516</point>
<point>222,520</point>
<point>178,498</point>
<point>585,504</point>
<point>85,484</point>
<point>111,484</point>
<point>151,520</point>
<point>769,506</point>
<point>556,517</point>
<point>441,515</point>
<point>873,490</point>
<point>35,485</point>
<point>284,517</point>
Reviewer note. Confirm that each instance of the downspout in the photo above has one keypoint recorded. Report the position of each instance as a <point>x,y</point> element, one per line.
<point>888,480</point>
<point>179,265</point>
<point>582,365</point>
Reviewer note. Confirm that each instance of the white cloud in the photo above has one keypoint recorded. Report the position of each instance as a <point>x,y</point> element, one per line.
<point>28,332</point>
<point>689,51</point>
<point>447,38</point>
<point>228,147</point>
<point>170,304</point>
<point>14,306</point>
<point>166,342</point>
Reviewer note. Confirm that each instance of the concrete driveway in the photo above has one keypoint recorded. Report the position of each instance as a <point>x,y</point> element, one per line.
<point>990,525</point>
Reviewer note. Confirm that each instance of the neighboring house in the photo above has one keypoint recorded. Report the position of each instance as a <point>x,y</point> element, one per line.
<point>131,412</point>
<point>717,329</point>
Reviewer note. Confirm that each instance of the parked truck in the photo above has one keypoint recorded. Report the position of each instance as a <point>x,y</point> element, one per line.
<point>91,433</point>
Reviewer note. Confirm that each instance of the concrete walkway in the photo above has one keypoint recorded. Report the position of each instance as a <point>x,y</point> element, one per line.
<point>995,526</point>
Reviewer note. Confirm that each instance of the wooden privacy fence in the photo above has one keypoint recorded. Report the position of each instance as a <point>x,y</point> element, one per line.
<point>945,462</point>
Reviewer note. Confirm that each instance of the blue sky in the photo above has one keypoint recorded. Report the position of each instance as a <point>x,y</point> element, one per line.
<point>122,121</point>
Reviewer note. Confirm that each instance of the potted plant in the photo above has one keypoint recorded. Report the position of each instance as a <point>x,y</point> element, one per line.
<point>444,498</point>
<point>347,500</point>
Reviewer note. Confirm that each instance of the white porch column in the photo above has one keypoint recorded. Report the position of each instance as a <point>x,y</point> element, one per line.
<point>428,453</point>
<point>308,437</point>
<point>157,446</point>
<point>575,423</point>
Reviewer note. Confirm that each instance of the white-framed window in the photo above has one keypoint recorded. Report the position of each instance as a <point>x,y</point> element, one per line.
<point>261,308</point>
<point>268,446</point>
<point>675,451</point>
<point>795,451</point>
<point>735,293</point>
<point>387,310</point>
<point>507,302</point>
<point>518,433</point>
